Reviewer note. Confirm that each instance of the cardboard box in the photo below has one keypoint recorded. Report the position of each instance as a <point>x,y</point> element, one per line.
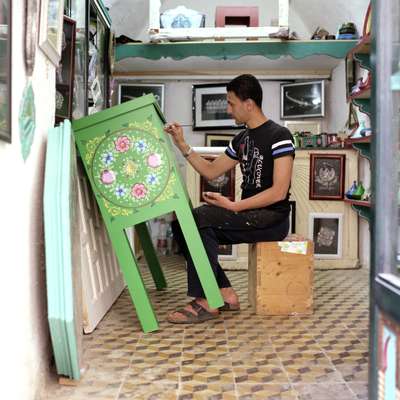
<point>280,283</point>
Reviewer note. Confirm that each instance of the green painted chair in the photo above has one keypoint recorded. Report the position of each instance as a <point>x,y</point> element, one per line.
<point>134,177</point>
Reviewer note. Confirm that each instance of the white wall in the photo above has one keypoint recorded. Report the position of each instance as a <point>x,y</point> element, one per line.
<point>24,335</point>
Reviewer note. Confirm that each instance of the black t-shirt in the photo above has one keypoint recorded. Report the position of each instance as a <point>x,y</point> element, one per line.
<point>256,149</point>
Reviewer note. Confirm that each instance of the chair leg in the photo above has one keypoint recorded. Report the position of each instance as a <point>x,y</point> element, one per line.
<point>199,257</point>
<point>133,279</point>
<point>151,256</point>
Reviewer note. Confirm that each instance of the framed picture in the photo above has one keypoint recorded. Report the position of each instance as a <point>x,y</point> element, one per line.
<point>216,140</point>
<point>303,100</point>
<point>51,29</point>
<point>325,229</point>
<point>210,108</point>
<point>227,252</point>
<point>327,176</point>
<point>5,70</point>
<point>65,73</point>
<point>304,126</point>
<point>224,184</point>
<point>130,91</point>
<point>292,217</point>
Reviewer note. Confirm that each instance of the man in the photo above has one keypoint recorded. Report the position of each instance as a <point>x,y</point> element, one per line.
<point>265,152</point>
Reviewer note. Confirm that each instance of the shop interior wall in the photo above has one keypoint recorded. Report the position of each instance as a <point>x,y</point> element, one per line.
<point>24,337</point>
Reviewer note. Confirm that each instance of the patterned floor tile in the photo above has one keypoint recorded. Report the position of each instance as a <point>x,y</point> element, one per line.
<point>271,391</point>
<point>324,392</point>
<point>238,356</point>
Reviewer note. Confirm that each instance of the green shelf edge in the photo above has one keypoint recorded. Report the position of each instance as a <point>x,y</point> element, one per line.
<point>362,211</point>
<point>234,50</point>
<point>364,149</point>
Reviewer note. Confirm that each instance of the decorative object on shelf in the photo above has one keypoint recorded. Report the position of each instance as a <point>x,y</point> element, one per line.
<point>5,71</point>
<point>27,120</point>
<point>347,31</point>
<point>182,17</point>
<point>325,229</point>
<point>31,32</point>
<point>321,34</point>
<point>210,108</point>
<point>327,173</point>
<point>51,22</point>
<point>130,91</point>
<point>352,189</point>
<point>217,140</point>
<point>236,16</point>
<point>224,184</point>
<point>303,100</point>
<point>65,72</point>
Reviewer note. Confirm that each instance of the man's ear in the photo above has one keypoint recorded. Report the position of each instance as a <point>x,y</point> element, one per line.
<point>250,104</point>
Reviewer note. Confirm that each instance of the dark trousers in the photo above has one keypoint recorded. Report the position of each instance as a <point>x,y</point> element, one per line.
<point>220,226</point>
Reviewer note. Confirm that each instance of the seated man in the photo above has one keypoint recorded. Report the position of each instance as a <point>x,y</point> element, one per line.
<point>265,152</point>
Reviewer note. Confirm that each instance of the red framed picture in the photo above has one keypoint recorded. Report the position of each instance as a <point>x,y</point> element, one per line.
<point>224,184</point>
<point>327,176</point>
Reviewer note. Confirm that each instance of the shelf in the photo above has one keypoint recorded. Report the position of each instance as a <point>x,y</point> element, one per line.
<point>365,139</point>
<point>363,208</point>
<point>269,56</point>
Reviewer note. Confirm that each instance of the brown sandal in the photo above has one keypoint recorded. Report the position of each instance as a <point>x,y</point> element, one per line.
<point>229,307</point>
<point>202,315</point>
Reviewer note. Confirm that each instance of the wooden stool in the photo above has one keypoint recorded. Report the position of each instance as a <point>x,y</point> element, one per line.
<point>280,283</point>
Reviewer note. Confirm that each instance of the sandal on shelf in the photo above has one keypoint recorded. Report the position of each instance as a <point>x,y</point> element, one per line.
<point>202,315</point>
<point>229,307</point>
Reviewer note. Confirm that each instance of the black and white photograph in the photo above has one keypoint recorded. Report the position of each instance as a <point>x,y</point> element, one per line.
<point>130,91</point>
<point>325,229</point>
<point>303,100</point>
<point>210,108</point>
<point>327,173</point>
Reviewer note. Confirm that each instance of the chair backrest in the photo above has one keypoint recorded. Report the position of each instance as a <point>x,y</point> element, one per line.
<point>130,163</point>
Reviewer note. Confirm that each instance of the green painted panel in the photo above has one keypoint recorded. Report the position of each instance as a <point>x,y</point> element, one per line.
<point>364,105</point>
<point>133,173</point>
<point>364,149</point>
<point>364,212</point>
<point>233,50</point>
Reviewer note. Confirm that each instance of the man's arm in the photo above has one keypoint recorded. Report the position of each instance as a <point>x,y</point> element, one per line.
<point>208,169</point>
<point>281,180</point>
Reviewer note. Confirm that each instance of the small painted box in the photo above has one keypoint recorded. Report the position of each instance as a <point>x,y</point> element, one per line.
<point>280,283</point>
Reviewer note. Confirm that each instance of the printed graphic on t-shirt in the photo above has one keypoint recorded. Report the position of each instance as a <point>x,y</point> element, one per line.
<point>251,162</point>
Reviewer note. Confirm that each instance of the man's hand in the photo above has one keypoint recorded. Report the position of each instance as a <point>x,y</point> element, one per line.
<point>175,130</point>
<point>216,199</point>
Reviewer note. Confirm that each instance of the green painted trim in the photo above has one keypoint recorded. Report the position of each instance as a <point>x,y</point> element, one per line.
<point>364,149</point>
<point>233,50</point>
<point>364,105</point>
<point>364,60</point>
<point>363,212</point>
<point>103,11</point>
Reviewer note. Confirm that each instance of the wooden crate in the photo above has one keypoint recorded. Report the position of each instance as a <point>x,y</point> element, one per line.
<point>280,283</point>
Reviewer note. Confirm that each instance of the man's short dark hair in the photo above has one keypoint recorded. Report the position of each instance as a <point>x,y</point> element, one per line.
<point>245,87</point>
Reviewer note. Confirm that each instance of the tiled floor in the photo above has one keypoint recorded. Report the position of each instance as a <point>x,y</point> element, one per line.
<point>239,356</point>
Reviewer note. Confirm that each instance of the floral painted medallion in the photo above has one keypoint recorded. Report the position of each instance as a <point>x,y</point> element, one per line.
<point>131,168</point>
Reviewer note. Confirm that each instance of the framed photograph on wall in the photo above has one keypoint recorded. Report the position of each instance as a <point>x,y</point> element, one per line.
<point>327,173</point>
<point>224,184</point>
<point>227,251</point>
<point>51,29</point>
<point>210,108</point>
<point>303,100</point>
<point>65,73</point>
<point>325,229</point>
<point>216,140</point>
<point>130,91</point>
<point>303,126</point>
<point>5,70</point>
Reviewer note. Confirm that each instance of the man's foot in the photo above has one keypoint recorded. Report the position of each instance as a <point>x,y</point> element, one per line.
<point>231,300</point>
<point>193,313</point>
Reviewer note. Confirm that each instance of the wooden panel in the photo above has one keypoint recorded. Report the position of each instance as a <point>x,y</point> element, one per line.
<point>304,206</point>
<point>280,283</point>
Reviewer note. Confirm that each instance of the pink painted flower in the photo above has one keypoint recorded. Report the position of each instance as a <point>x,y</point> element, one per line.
<point>122,144</point>
<point>107,177</point>
<point>154,160</point>
<point>138,191</point>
